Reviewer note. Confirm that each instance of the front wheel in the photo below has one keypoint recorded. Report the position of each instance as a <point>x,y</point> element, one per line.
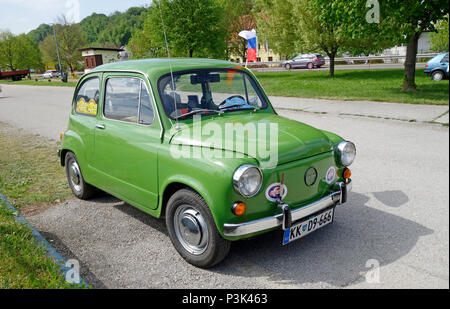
<point>193,231</point>
<point>310,66</point>
<point>79,187</point>
<point>288,67</point>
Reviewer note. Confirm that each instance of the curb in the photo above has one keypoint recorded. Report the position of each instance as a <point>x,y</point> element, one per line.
<point>51,251</point>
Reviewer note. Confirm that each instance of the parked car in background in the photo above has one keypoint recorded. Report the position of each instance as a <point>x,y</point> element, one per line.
<point>50,74</point>
<point>309,61</point>
<point>437,68</point>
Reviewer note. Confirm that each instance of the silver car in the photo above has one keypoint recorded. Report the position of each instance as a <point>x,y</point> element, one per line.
<point>50,74</point>
<point>309,61</point>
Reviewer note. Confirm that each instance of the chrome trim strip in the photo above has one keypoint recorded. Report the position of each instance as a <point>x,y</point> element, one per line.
<point>232,230</point>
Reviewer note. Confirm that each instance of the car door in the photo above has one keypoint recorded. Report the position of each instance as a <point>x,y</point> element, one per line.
<point>127,139</point>
<point>444,64</point>
<point>296,61</point>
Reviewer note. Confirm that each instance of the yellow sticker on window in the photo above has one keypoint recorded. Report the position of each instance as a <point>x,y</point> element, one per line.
<point>87,108</point>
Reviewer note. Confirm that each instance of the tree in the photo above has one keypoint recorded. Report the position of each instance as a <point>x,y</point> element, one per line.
<point>278,25</point>
<point>93,25</point>
<point>439,39</point>
<point>193,28</point>
<point>39,34</point>
<point>408,19</point>
<point>239,16</point>
<point>121,27</point>
<point>329,26</point>
<point>70,38</point>
<point>18,52</point>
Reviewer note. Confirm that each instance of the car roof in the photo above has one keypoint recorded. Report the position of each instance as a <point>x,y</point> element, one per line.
<point>154,68</point>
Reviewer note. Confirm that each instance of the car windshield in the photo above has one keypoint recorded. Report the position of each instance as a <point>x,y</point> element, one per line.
<point>203,92</point>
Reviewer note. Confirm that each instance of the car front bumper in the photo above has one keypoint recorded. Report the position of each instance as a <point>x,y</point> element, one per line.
<point>288,216</point>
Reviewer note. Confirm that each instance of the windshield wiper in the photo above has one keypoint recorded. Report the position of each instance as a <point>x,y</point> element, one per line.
<point>245,107</point>
<point>198,112</point>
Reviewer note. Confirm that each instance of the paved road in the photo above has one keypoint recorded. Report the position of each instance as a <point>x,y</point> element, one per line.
<point>398,213</point>
<point>348,67</point>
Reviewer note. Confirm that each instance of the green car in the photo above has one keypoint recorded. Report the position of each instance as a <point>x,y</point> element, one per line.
<point>197,142</point>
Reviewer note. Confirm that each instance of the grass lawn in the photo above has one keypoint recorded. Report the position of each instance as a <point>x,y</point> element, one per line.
<point>30,174</point>
<point>32,82</point>
<point>375,85</point>
<point>32,180</point>
<point>381,85</point>
<point>23,264</point>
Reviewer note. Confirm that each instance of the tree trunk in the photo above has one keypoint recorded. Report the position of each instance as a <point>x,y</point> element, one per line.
<point>191,53</point>
<point>409,83</point>
<point>332,56</point>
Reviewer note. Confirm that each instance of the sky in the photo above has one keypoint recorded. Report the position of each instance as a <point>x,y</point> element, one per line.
<point>22,16</point>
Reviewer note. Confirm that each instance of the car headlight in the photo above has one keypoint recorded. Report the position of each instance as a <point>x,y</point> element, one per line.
<point>247,180</point>
<point>347,153</point>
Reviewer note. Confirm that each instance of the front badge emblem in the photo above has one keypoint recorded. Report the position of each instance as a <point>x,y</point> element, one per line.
<point>331,175</point>
<point>311,176</point>
<point>273,192</point>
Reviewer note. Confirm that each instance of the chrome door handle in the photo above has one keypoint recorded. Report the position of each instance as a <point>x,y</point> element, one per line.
<point>100,126</point>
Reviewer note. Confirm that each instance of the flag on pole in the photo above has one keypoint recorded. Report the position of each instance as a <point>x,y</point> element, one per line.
<point>251,38</point>
<point>266,46</point>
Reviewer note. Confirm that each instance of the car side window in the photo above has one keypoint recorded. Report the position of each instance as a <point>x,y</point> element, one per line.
<point>445,59</point>
<point>127,99</point>
<point>86,100</point>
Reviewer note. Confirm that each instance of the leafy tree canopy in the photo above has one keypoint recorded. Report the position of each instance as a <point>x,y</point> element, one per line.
<point>193,28</point>
<point>18,52</point>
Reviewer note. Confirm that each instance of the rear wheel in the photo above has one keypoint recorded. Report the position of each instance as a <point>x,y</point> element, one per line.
<point>80,188</point>
<point>437,76</point>
<point>193,231</point>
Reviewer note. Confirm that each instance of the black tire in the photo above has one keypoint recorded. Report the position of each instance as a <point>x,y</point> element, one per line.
<point>80,188</point>
<point>216,249</point>
<point>437,76</point>
<point>310,66</point>
<point>288,67</point>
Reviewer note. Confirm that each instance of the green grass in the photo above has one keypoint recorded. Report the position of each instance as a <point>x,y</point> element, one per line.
<point>32,179</point>
<point>382,85</point>
<point>23,263</point>
<point>30,173</point>
<point>32,82</point>
<point>374,85</point>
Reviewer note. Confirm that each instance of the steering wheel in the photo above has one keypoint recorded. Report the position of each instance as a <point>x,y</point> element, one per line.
<point>232,97</point>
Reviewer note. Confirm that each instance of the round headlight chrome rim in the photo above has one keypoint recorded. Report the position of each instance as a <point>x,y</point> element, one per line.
<point>237,177</point>
<point>342,148</point>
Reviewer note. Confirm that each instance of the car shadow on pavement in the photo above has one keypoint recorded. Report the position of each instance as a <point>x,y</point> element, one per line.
<point>152,222</point>
<point>337,254</point>
<point>65,252</point>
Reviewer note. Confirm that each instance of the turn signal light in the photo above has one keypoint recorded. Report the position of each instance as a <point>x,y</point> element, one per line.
<point>61,135</point>
<point>238,208</point>
<point>347,173</point>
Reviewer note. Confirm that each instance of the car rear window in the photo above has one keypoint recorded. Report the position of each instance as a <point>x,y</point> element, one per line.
<point>86,100</point>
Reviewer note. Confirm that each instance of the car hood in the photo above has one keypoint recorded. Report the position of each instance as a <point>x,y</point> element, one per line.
<point>294,141</point>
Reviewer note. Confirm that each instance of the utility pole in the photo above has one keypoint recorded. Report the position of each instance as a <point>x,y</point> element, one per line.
<point>57,52</point>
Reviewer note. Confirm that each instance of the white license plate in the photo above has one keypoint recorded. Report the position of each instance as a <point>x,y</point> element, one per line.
<point>308,226</point>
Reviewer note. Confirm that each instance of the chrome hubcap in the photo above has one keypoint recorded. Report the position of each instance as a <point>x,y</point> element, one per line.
<point>437,76</point>
<point>191,229</point>
<point>75,175</point>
